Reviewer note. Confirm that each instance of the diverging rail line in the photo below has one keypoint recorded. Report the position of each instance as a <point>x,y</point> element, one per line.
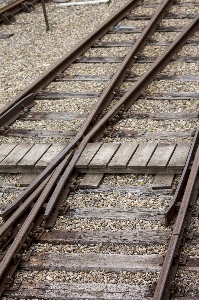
<point>42,199</point>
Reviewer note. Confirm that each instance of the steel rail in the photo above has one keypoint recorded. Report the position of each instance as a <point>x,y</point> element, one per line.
<point>104,100</point>
<point>172,210</point>
<point>11,9</point>
<point>29,222</point>
<point>115,82</point>
<point>130,96</point>
<point>124,103</point>
<point>121,73</point>
<point>178,231</point>
<point>23,206</point>
<point>64,62</point>
<point>5,228</point>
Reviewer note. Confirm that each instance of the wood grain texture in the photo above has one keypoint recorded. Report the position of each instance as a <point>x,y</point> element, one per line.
<point>16,155</point>
<point>161,156</point>
<point>104,155</point>
<point>35,153</point>
<point>142,155</point>
<point>5,149</point>
<point>116,213</point>
<point>91,181</point>
<point>59,291</point>
<point>49,155</point>
<point>123,155</point>
<point>179,156</point>
<point>87,155</point>
<point>93,261</point>
<point>116,237</point>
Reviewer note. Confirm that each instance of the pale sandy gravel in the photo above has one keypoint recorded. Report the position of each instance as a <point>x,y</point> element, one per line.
<point>5,2</point>
<point>31,51</point>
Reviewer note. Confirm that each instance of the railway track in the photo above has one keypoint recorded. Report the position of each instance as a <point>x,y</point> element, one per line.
<point>107,242</point>
<point>8,12</point>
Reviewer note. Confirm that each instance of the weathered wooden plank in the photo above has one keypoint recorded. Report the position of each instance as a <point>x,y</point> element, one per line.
<point>164,116</point>
<point>116,237</point>
<point>115,213</point>
<point>5,149</point>
<point>142,155</point>
<point>26,179</point>
<point>192,264</point>
<point>76,291</point>
<point>195,239</point>
<point>21,132</point>
<point>163,181</point>
<point>88,77</point>
<point>173,96</point>
<point>35,153</point>
<point>119,59</point>
<point>179,156</point>
<point>65,95</point>
<point>16,155</point>
<point>130,78</point>
<point>127,170</point>
<point>99,59</point>
<point>49,155</point>
<point>135,17</point>
<point>175,77</point>
<point>92,261</point>
<point>130,171</point>
<point>88,153</point>
<point>123,155</point>
<point>37,116</point>
<point>91,181</point>
<point>176,4</point>
<point>130,43</point>
<point>137,29</point>
<point>161,156</point>
<point>186,78</point>
<point>150,135</point>
<point>102,44</point>
<point>104,155</point>
<point>125,29</point>
<point>141,190</point>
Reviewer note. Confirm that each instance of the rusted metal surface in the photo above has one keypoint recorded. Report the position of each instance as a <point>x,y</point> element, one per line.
<point>107,96</point>
<point>25,229</point>
<point>64,161</point>
<point>5,228</point>
<point>124,69</point>
<point>71,56</point>
<point>133,93</point>
<point>19,109</point>
<point>172,210</point>
<point>114,114</point>
<point>131,96</point>
<point>173,251</point>
<point>7,12</point>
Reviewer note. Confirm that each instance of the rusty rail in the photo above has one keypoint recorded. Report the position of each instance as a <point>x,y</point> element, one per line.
<point>69,160</point>
<point>103,101</point>
<point>23,233</point>
<point>171,259</point>
<point>172,209</point>
<point>48,76</point>
<point>131,95</point>
<point>7,12</point>
<point>125,102</point>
